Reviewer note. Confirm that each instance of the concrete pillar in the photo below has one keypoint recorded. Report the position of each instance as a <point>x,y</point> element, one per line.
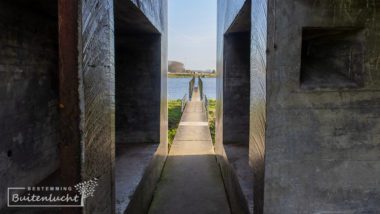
<point>141,99</point>
<point>233,102</point>
<point>97,68</point>
<point>259,50</point>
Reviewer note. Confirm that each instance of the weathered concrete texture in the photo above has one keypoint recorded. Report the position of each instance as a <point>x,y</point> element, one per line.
<point>141,94</point>
<point>328,62</point>
<point>132,160</point>
<point>97,42</point>
<point>322,142</point>
<point>233,92</point>
<point>239,160</point>
<point>153,20</point>
<point>70,85</point>
<point>97,50</point>
<point>156,13</point>
<point>259,25</point>
<point>86,88</point>
<point>191,181</point>
<point>138,84</point>
<point>28,93</point>
<point>236,87</point>
<point>322,97</point>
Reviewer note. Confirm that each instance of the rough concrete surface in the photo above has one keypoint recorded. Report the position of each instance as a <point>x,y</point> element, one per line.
<point>58,87</point>
<point>28,94</point>
<point>239,160</point>
<point>141,96</point>
<point>322,142</point>
<point>234,87</point>
<point>131,163</point>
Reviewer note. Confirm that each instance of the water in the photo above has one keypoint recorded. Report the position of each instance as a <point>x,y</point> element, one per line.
<point>178,87</point>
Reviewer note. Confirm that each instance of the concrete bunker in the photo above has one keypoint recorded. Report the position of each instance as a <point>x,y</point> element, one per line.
<point>138,77</point>
<point>236,78</point>
<point>137,98</point>
<point>236,109</point>
<point>29,117</point>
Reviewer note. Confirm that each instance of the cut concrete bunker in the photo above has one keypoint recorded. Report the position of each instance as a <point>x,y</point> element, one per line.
<point>317,127</point>
<point>138,64</point>
<point>29,93</point>
<point>137,75</point>
<point>235,112</point>
<point>314,98</point>
<point>76,112</point>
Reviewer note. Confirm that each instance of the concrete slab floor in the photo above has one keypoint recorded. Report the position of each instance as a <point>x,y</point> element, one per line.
<point>237,155</point>
<point>131,162</point>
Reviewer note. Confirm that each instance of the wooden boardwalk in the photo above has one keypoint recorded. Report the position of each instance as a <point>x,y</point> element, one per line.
<point>191,181</point>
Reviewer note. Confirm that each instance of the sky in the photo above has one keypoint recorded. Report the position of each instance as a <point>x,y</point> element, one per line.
<point>192,33</point>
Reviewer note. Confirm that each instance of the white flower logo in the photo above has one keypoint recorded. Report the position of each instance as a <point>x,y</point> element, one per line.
<point>86,189</point>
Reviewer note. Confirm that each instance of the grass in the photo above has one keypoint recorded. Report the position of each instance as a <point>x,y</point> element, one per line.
<point>174,113</point>
<point>211,117</point>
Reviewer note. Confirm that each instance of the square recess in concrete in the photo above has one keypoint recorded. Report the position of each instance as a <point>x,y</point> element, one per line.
<point>332,58</point>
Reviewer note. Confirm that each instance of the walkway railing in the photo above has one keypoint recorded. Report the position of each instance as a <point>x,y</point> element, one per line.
<point>183,102</point>
<point>202,95</point>
<point>200,86</point>
<point>191,87</point>
<point>205,103</point>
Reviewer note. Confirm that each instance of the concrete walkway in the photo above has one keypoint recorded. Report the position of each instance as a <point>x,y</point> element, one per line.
<point>191,181</point>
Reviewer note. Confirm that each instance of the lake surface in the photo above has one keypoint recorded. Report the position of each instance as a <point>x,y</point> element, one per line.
<point>178,87</point>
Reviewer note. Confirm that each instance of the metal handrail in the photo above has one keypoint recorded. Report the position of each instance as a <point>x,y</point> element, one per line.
<point>200,86</point>
<point>205,103</point>
<point>184,102</point>
<point>191,87</point>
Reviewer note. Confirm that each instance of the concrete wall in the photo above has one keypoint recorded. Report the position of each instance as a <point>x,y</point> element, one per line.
<point>141,89</point>
<point>322,140</point>
<point>227,13</point>
<point>259,50</point>
<point>28,94</point>
<point>315,64</point>
<point>30,118</point>
<point>138,86</point>
<point>98,73</point>
<point>157,14</point>
<point>236,87</point>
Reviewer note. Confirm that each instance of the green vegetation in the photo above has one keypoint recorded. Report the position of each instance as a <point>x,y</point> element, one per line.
<point>174,114</point>
<point>211,117</point>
